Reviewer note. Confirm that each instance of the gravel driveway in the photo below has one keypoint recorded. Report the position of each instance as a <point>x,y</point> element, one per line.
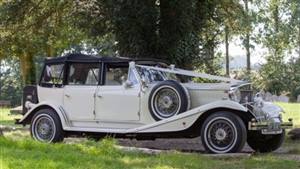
<point>185,145</point>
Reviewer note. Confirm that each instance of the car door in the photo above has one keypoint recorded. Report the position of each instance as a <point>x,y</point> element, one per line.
<point>79,94</point>
<point>114,100</point>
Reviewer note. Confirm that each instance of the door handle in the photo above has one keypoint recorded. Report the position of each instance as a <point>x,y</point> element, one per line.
<point>67,95</point>
<point>99,95</point>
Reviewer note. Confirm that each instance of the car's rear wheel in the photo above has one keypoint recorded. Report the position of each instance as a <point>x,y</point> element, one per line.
<point>46,126</point>
<point>223,132</point>
<point>168,98</point>
<point>264,143</point>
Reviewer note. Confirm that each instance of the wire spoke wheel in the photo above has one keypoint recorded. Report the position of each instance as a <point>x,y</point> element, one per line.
<point>221,135</point>
<point>223,132</point>
<point>168,98</point>
<point>46,126</point>
<point>44,129</point>
<point>166,102</point>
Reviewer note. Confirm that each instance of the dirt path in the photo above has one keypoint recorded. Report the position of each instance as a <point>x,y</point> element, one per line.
<point>194,145</point>
<point>184,145</point>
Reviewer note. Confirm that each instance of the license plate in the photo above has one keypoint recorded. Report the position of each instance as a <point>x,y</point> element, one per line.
<point>266,131</point>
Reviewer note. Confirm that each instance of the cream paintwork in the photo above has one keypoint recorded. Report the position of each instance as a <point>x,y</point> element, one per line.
<point>54,95</point>
<point>79,95</point>
<point>119,109</point>
<point>117,103</point>
<point>205,93</point>
<point>62,115</point>
<point>175,123</point>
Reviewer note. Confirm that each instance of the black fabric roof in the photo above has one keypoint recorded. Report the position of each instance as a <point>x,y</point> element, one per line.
<point>84,58</point>
<point>90,58</point>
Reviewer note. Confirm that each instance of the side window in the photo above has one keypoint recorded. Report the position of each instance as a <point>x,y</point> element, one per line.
<point>83,74</point>
<point>53,75</point>
<point>115,75</point>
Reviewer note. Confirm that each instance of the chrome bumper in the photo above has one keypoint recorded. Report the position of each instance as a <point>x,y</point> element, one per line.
<point>270,127</point>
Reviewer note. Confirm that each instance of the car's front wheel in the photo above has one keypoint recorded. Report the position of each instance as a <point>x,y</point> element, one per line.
<point>265,143</point>
<point>46,126</point>
<point>223,132</point>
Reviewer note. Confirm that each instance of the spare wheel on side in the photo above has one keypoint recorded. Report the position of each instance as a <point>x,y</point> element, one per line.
<point>168,98</point>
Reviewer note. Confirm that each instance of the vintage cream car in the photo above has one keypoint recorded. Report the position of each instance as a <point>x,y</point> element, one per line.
<point>146,99</point>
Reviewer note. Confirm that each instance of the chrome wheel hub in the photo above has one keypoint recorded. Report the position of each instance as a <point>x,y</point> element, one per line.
<point>220,134</point>
<point>166,102</point>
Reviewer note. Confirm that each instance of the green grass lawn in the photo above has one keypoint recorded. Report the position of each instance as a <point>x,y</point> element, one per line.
<point>6,118</point>
<point>17,150</point>
<point>292,110</point>
<point>29,154</point>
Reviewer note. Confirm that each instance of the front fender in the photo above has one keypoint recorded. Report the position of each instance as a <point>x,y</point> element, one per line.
<point>186,119</point>
<point>58,109</point>
<point>228,104</point>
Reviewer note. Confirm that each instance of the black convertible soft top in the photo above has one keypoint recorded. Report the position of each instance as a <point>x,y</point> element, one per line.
<point>91,58</point>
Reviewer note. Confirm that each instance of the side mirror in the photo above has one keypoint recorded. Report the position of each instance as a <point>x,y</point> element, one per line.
<point>144,82</point>
<point>128,84</point>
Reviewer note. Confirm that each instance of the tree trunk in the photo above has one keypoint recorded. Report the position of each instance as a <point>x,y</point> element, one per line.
<point>247,40</point>
<point>227,49</point>
<point>299,39</point>
<point>275,14</point>
<point>28,69</point>
<point>210,52</point>
<point>0,78</point>
<point>248,54</point>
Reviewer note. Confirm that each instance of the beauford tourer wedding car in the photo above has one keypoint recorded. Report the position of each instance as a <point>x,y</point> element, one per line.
<point>148,99</point>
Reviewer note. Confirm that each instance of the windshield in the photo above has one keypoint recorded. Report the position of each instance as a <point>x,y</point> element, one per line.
<point>150,75</point>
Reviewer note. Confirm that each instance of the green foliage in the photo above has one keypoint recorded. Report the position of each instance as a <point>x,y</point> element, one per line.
<point>6,119</point>
<point>276,34</point>
<point>36,28</point>
<point>273,76</point>
<point>216,17</point>
<point>10,81</point>
<point>187,33</point>
<point>293,78</point>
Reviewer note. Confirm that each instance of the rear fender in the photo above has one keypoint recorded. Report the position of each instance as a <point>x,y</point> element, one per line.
<point>26,119</point>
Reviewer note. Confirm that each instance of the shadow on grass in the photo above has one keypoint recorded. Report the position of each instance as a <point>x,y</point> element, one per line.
<point>30,154</point>
<point>7,122</point>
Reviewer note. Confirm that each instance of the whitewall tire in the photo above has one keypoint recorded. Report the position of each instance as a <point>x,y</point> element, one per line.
<point>167,99</point>
<point>223,132</point>
<point>46,126</point>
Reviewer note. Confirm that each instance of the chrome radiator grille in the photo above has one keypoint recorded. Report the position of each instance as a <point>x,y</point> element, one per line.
<point>246,96</point>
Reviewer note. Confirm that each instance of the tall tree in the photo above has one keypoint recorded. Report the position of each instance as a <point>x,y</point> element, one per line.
<point>295,24</point>
<point>275,37</point>
<point>32,28</point>
<point>219,22</point>
<point>247,34</point>
<point>178,31</point>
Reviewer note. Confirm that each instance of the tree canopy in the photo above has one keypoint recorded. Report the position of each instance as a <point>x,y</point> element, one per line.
<point>187,33</point>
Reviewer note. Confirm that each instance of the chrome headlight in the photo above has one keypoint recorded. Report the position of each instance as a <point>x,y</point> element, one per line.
<point>235,94</point>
